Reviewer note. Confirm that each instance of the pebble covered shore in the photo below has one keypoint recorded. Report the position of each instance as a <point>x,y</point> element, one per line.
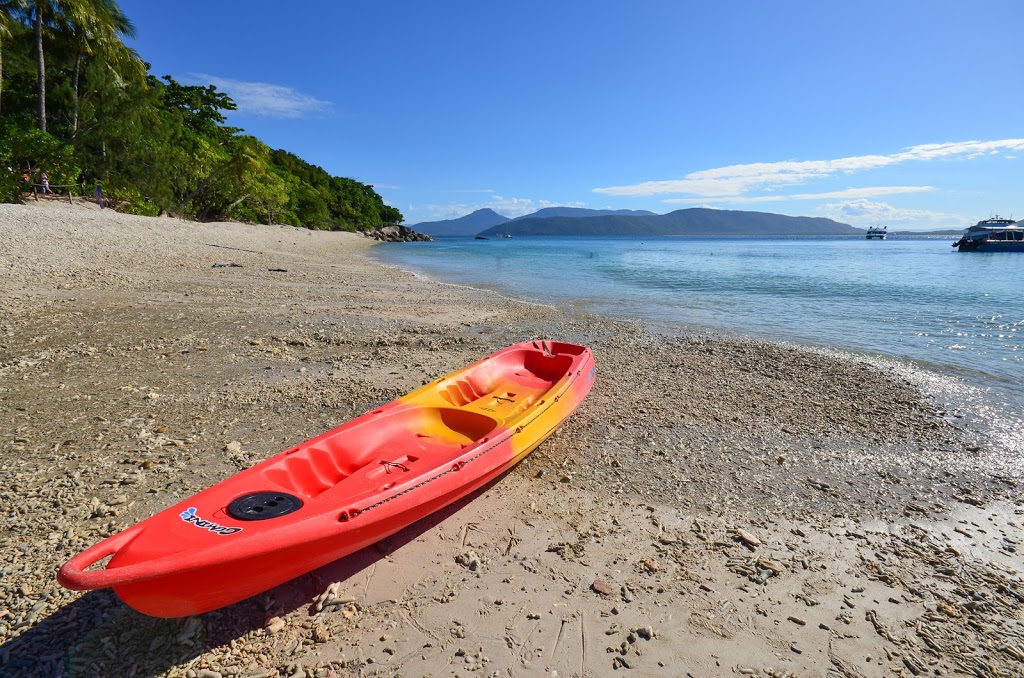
<point>717,506</point>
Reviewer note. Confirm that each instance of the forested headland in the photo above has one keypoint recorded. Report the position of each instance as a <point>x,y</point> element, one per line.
<point>81,106</point>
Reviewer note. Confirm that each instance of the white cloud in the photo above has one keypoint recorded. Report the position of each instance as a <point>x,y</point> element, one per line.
<point>868,213</point>
<point>264,99</point>
<point>736,180</point>
<point>866,192</point>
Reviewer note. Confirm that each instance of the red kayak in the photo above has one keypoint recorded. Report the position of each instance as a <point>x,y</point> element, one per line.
<point>343,490</point>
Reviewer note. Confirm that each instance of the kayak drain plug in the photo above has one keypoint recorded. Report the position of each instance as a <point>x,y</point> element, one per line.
<point>263,505</point>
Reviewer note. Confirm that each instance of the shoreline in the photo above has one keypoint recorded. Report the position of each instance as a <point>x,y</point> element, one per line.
<point>715,486</point>
<point>980,369</point>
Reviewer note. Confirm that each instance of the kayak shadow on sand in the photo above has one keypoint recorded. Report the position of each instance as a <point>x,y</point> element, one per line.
<point>97,634</point>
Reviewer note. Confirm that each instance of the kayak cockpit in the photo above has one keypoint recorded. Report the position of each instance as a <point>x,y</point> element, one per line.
<point>400,436</point>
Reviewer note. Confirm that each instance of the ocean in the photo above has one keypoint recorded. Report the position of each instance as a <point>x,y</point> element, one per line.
<point>914,303</point>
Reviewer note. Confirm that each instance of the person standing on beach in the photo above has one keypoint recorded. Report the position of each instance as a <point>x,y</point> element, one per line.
<point>97,194</point>
<point>45,179</point>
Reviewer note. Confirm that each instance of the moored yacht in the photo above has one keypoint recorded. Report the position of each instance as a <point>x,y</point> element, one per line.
<point>992,235</point>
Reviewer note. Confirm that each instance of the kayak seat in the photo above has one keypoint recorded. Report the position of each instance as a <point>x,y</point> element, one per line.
<point>308,472</point>
<point>546,368</point>
<point>410,433</point>
<point>462,392</point>
<point>524,369</point>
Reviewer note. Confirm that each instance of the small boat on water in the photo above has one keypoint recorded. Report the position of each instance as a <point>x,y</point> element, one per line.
<point>342,490</point>
<point>992,235</point>
<point>877,232</point>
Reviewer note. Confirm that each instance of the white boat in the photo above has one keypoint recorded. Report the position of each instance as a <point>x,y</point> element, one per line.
<point>877,232</point>
<point>992,235</point>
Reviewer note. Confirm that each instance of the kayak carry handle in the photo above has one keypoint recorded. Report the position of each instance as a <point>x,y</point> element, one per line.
<point>73,575</point>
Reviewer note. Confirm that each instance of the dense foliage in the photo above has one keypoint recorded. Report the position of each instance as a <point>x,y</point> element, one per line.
<point>79,105</point>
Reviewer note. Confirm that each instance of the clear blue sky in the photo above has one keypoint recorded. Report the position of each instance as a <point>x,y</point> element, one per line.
<point>904,113</point>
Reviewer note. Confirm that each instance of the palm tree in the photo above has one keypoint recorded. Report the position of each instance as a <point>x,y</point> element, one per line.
<point>104,17</point>
<point>35,10</point>
<point>97,34</point>
<point>8,10</point>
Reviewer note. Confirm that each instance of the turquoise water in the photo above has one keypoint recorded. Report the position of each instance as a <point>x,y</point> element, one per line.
<point>915,300</point>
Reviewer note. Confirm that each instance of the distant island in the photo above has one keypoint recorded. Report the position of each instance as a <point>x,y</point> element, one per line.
<point>469,225</point>
<point>486,219</point>
<point>696,221</point>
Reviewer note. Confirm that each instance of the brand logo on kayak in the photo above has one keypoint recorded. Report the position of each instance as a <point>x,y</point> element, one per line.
<point>190,516</point>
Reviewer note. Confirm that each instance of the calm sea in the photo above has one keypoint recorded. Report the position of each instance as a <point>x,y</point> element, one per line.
<point>909,301</point>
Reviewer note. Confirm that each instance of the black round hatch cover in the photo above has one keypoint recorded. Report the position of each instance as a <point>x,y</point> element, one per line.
<point>263,505</point>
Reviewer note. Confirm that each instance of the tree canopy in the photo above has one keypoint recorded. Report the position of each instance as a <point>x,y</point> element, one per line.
<point>79,104</point>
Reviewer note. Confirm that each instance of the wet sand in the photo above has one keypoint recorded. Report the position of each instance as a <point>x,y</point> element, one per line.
<point>716,507</point>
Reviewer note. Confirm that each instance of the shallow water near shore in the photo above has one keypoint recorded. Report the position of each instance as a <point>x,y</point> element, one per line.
<point>910,299</point>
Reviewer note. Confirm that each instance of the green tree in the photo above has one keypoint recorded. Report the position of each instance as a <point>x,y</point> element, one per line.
<point>103,15</point>
<point>140,149</point>
<point>200,106</point>
<point>39,12</point>
<point>97,33</point>
<point>31,150</point>
<point>156,144</point>
<point>8,10</point>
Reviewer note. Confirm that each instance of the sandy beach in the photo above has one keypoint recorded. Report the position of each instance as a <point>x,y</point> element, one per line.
<point>716,507</point>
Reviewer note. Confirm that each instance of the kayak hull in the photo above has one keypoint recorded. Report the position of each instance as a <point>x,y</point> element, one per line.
<point>343,490</point>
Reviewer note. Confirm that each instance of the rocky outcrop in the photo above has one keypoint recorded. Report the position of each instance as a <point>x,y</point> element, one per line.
<point>396,234</point>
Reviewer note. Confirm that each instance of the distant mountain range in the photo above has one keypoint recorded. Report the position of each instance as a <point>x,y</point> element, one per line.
<point>581,212</point>
<point>484,219</point>
<point>471,224</point>
<point>696,221</point>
